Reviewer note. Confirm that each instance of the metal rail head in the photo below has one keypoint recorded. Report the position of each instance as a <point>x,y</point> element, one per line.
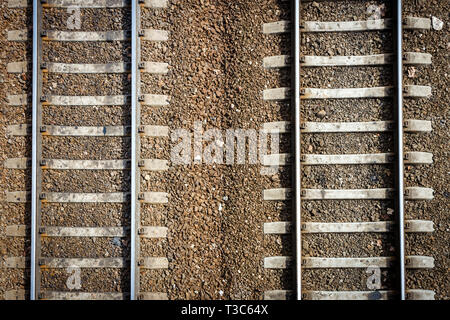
<point>296,138</point>
<point>134,278</point>
<point>36,151</point>
<point>399,142</point>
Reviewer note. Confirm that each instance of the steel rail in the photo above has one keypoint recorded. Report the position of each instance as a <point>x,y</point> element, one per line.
<point>36,151</point>
<point>134,151</point>
<point>296,139</point>
<point>399,142</point>
<point>34,155</point>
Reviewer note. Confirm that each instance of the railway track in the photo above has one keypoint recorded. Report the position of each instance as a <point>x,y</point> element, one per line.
<point>354,219</point>
<point>89,116</point>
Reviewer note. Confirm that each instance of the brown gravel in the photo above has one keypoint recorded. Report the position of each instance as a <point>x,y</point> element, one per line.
<point>12,147</point>
<point>362,43</point>
<point>340,143</point>
<point>79,148</point>
<point>348,177</point>
<point>345,77</point>
<point>69,116</point>
<point>100,85</point>
<point>329,280</point>
<point>343,10</point>
<point>347,211</point>
<point>86,247</point>
<point>92,19</point>
<point>92,214</point>
<point>340,110</point>
<point>110,280</point>
<point>336,245</point>
<point>86,181</point>
<point>94,52</point>
<point>215,247</point>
